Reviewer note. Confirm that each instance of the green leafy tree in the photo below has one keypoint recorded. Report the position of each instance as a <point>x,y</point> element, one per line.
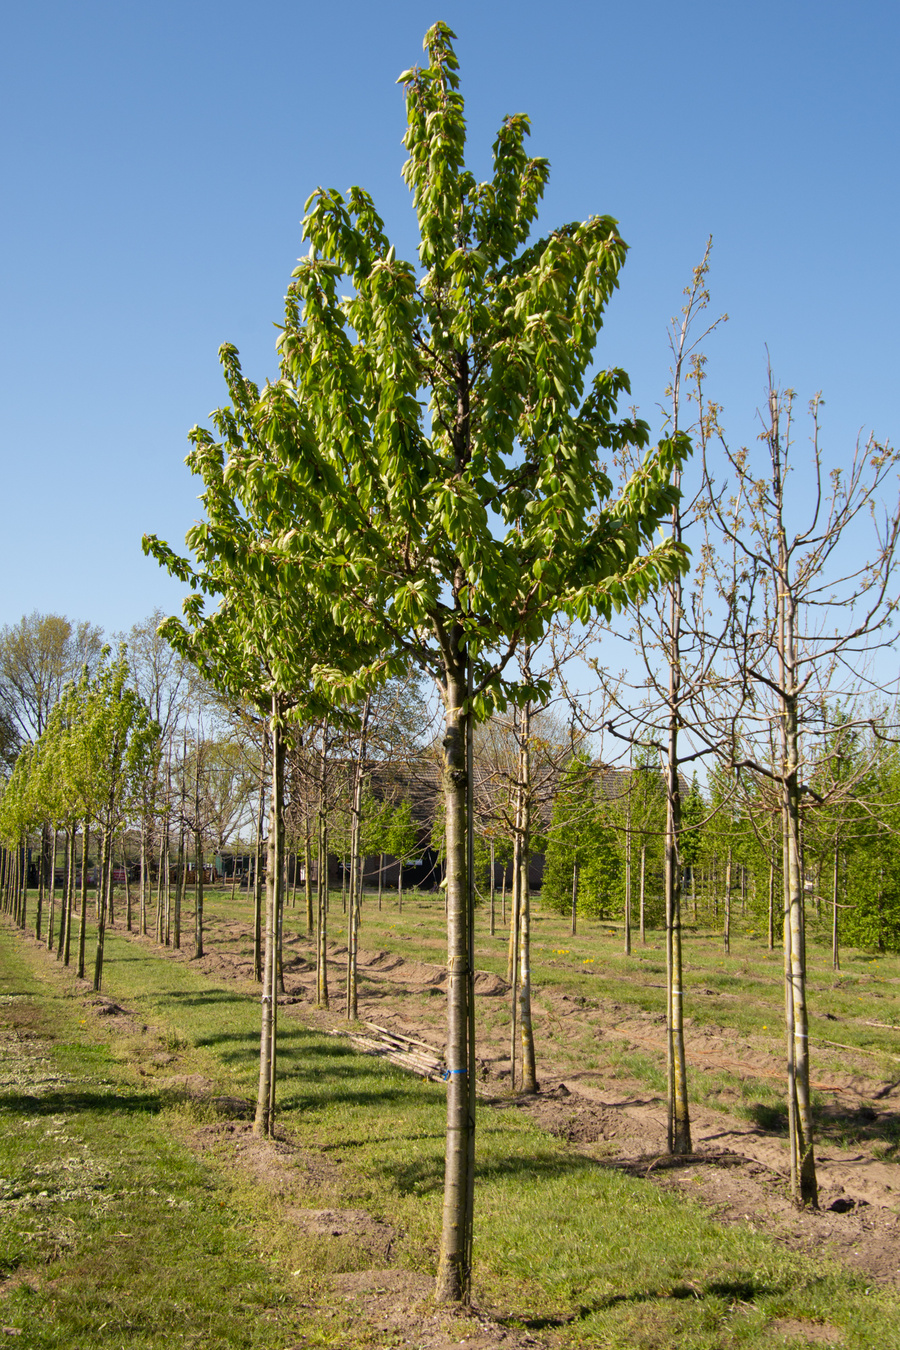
<point>435,456</point>
<point>110,752</point>
<point>690,843</point>
<point>582,856</point>
<point>862,835</point>
<point>260,643</point>
<point>39,656</point>
<point>402,840</point>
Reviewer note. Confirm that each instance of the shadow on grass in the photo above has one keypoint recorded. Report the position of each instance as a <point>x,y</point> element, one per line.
<point>836,1124</point>
<point>768,1116</point>
<point>197,998</point>
<point>422,1175</point>
<point>861,1125</point>
<point>77,1103</point>
<point>744,1291</point>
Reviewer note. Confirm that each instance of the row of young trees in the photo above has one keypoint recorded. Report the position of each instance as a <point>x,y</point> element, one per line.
<point>428,484</point>
<point>89,767</point>
<point>605,850</point>
<point>424,483</point>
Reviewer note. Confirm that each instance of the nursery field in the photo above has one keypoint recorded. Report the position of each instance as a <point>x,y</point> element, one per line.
<point>138,1210</point>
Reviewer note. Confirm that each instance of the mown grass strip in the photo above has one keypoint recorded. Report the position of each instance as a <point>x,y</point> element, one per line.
<point>112,1232</point>
<point>577,1253</point>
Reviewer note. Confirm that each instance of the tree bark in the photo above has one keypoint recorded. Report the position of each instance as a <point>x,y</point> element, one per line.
<point>726,931</point>
<point>198,903</point>
<point>526,1029</point>
<point>82,921</point>
<point>264,1121</point>
<point>102,885</point>
<point>493,894</point>
<point>355,882</point>
<point>679,1118</point>
<point>835,948</point>
<point>51,897</point>
<point>322,883</point>
<point>127,885</point>
<point>145,877</point>
<point>643,883</point>
<point>771,932</point>
<point>257,886</point>
<point>455,1260</point>
<point>307,881</point>
<point>179,892</point>
<point>804,1185</point>
<point>628,879</point>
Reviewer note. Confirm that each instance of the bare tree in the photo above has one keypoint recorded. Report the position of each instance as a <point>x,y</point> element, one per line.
<point>808,603</point>
<point>670,634</point>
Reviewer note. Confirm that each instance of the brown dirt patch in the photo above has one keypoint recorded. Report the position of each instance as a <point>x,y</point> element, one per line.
<point>286,1170</point>
<point>815,1333</point>
<point>400,1303</point>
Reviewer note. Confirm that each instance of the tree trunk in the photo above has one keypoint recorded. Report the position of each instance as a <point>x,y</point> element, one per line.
<point>257,886</point>
<point>102,883</point>
<point>178,908</point>
<point>66,868</point>
<point>835,949</point>
<point>771,933</point>
<point>726,931</point>
<point>493,894</point>
<point>455,1259</point>
<point>167,895</point>
<point>158,922</point>
<point>628,882</point>
<point>23,893</point>
<point>145,877</point>
<point>307,881</point>
<point>69,907</point>
<point>804,1186</point>
<point>264,1121</point>
<point>355,880</point>
<point>643,893</point>
<point>526,1030</point>
<point>82,921</point>
<point>51,898</point>
<point>127,887</point>
<point>512,954</point>
<point>322,884</point>
<point>47,866</point>
<point>198,903</point>
<point>679,1118</point>
<point>110,888</point>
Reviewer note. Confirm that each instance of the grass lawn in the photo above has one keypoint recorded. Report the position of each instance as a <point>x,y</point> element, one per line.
<point>115,1232</point>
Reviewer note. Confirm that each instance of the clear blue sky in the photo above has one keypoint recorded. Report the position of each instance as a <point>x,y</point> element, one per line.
<point>156,159</point>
